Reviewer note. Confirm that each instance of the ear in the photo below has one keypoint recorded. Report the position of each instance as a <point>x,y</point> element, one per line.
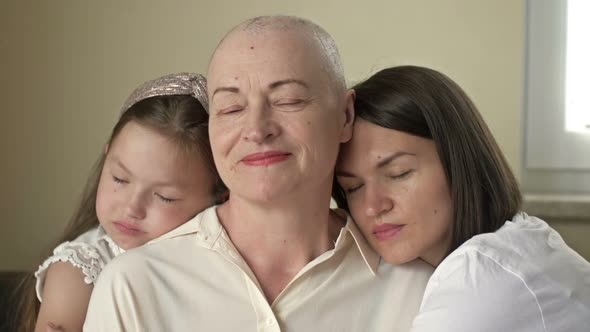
<point>106,148</point>
<point>346,133</point>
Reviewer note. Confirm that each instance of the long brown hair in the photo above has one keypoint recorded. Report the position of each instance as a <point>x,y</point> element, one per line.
<point>426,103</point>
<point>180,117</point>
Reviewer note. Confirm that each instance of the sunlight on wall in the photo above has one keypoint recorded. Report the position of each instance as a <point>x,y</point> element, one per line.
<point>577,67</point>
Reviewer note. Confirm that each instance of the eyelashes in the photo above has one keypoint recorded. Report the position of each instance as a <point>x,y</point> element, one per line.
<point>119,180</point>
<point>162,198</point>
<point>394,177</point>
<point>286,104</point>
<point>165,199</point>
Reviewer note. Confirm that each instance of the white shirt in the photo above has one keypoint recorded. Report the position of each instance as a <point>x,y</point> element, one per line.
<point>89,252</point>
<point>523,277</point>
<point>194,279</point>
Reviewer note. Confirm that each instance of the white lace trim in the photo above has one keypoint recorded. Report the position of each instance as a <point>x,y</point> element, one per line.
<point>115,249</point>
<point>81,255</point>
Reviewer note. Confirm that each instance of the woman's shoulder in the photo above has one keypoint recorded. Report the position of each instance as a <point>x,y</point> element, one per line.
<point>524,266</point>
<point>526,247</point>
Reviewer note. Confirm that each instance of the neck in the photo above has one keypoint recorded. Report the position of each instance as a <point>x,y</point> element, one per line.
<point>301,229</point>
<point>277,239</point>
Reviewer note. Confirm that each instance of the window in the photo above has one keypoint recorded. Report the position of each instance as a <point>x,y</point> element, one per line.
<point>577,63</point>
<point>557,107</point>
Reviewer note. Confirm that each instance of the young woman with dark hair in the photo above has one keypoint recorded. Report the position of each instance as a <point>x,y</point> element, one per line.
<point>424,179</point>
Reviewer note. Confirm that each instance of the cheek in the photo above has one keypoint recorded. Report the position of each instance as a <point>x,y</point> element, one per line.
<point>166,219</point>
<point>221,136</point>
<point>436,214</point>
<point>103,201</point>
<point>356,209</point>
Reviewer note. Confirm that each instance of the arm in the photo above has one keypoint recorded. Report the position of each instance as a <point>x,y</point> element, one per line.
<point>65,298</point>
<point>478,294</point>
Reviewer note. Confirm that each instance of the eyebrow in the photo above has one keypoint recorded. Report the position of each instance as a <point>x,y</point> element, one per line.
<point>231,89</point>
<point>156,184</point>
<point>272,86</point>
<point>120,164</point>
<point>380,164</point>
<point>280,83</point>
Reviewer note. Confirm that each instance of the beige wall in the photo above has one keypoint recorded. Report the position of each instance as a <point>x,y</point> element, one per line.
<point>575,233</point>
<point>67,66</point>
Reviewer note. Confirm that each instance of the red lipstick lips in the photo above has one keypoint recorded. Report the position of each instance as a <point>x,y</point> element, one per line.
<point>265,158</point>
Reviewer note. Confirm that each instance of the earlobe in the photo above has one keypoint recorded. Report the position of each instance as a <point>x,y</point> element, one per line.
<point>349,116</point>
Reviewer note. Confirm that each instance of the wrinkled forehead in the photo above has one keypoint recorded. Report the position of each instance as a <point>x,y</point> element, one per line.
<point>260,52</point>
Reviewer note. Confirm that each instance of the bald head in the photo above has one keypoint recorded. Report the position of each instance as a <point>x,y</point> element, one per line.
<point>314,35</point>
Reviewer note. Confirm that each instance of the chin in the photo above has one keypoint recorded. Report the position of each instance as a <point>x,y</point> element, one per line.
<point>396,256</point>
<point>397,260</point>
<point>267,192</point>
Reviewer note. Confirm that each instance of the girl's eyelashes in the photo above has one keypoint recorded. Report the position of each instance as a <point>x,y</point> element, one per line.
<point>119,180</point>
<point>162,198</point>
<point>165,199</point>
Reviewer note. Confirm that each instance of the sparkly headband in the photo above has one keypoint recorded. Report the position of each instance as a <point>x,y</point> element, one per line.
<point>173,84</point>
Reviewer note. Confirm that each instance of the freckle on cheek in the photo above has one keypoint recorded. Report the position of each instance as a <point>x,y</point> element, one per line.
<point>251,47</point>
<point>435,211</point>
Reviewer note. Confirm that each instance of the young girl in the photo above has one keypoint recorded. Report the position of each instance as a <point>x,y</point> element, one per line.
<point>156,173</point>
<point>424,179</point>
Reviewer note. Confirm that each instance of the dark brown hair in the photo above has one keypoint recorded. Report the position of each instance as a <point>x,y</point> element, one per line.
<point>426,103</point>
<point>180,117</point>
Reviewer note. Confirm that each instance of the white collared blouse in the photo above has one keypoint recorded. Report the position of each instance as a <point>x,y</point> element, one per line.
<point>194,279</point>
<point>520,278</point>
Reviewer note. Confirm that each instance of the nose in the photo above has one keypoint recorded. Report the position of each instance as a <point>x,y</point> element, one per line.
<point>135,206</point>
<point>260,124</point>
<point>377,202</point>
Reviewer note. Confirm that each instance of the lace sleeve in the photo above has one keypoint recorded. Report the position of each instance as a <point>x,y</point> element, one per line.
<point>81,255</point>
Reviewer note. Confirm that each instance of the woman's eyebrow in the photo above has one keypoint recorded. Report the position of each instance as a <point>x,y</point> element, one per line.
<point>344,174</point>
<point>280,83</point>
<point>231,89</point>
<point>393,157</point>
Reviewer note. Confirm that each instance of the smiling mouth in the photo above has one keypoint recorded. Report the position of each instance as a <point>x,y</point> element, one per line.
<point>265,158</point>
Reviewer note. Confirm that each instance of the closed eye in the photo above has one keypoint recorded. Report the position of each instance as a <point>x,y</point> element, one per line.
<point>400,175</point>
<point>231,109</point>
<point>119,180</point>
<point>290,104</point>
<point>165,199</point>
<point>352,190</point>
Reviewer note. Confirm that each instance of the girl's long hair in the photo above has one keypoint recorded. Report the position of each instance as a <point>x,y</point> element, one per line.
<point>180,117</point>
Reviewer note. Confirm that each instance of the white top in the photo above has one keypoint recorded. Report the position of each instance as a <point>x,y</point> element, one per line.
<point>523,278</point>
<point>89,252</point>
<point>194,279</point>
